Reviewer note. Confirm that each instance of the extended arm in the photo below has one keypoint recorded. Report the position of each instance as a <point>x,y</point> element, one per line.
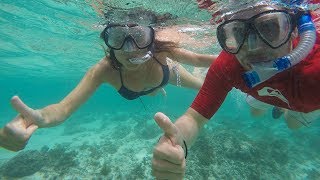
<point>57,113</point>
<point>16,133</point>
<point>188,57</point>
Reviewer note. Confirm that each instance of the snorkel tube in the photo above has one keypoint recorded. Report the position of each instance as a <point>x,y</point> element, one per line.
<point>307,32</point>
<point>143,59</point>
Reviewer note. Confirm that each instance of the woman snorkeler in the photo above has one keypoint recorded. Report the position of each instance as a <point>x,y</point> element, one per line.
<point>137,65</point>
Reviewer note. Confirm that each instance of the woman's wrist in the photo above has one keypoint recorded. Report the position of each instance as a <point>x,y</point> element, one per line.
<point>49,117</point>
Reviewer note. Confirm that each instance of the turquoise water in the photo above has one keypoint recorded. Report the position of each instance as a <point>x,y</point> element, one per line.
<point>45,49</point>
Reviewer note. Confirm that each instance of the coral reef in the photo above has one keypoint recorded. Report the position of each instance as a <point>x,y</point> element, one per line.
<point>124,151</point>
<point>313,174</point>
<point>61,159</point>
<point>105,169</point>
<point>145,129</point>
<point>227,153</point>
<point>139,171</point>
<point>58,160</point>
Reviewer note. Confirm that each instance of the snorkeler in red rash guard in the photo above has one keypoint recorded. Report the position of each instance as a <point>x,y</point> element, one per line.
<point>262,57</point>
<point>300,107</point>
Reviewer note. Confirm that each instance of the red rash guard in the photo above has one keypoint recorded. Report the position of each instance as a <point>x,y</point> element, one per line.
<point>296,88</point>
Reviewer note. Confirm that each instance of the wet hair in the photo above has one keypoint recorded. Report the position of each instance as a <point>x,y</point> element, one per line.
<point>157,46</point>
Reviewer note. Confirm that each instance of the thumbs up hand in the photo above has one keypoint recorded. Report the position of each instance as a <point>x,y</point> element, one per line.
<point>29,115</point>
<point>168,156</point>
<point>15,135</point>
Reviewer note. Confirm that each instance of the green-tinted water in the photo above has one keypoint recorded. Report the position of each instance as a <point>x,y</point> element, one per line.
<point>45,49</point>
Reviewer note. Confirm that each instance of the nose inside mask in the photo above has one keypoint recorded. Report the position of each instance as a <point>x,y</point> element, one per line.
<point>129,46</point>
<point>254,42</point>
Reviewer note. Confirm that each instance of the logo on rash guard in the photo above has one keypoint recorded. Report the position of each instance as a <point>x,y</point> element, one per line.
<point>268,91</point>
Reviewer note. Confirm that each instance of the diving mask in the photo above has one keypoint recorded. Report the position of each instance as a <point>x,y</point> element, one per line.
<point>116,35</point>
<point>274,27</point>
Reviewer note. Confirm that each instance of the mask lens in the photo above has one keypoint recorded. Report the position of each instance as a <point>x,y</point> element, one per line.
<point>232,35</point>
<point>143,36</point>
<point>274,28</point>
<point>115,37</point>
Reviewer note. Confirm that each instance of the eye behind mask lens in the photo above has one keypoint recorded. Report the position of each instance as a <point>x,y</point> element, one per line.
<point>274,28</point>
<point>143,36</point>
<point>232,35</point>
<point>115,37</point>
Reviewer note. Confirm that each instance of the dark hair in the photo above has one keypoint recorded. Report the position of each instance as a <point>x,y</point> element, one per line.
<point>158,47</point>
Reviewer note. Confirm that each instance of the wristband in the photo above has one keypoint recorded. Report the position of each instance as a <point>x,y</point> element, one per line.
<point>186,151</point>
<point>185,148</point>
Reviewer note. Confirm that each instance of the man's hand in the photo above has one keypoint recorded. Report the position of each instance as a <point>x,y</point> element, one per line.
<point>168,156</point>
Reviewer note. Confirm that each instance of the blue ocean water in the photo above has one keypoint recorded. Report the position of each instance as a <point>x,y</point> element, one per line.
<point>45,49</point>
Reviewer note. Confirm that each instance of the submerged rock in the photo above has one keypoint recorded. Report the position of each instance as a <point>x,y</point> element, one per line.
<point>25,163</point>
<point>58,160</point>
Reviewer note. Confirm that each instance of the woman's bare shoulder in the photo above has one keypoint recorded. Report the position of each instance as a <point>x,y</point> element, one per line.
<point>104,69</point>
<point>104,63</point>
